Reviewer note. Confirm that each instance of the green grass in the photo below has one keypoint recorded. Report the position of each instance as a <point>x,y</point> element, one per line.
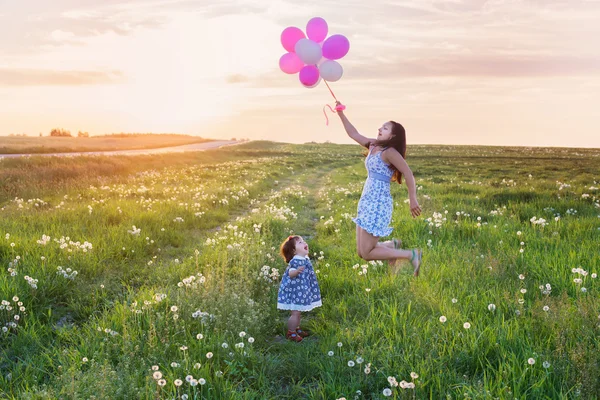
<point>210,226</point>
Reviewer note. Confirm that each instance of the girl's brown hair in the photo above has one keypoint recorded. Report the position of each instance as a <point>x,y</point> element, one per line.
<point>288,248</point>
<point>398,142</point>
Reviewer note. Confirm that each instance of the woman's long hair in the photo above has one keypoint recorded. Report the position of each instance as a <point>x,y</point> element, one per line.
<point>398,142</point>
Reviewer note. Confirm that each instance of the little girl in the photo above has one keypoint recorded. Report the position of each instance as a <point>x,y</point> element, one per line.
<point>299,290</point>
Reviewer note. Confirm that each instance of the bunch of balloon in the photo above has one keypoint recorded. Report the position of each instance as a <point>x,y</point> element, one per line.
<point>313,56</point>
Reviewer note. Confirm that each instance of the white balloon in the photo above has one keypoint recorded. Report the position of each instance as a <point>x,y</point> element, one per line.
<point>331,70</point>
<point>310,52</point>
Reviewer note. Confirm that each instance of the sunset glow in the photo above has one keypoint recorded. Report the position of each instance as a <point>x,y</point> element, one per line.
<point>502,72</point>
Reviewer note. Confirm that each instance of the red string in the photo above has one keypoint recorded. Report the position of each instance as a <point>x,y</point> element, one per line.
<point>324,113</point>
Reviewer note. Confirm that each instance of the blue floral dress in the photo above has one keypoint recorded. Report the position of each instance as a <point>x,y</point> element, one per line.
<point>302,292</point>
<point>374,212</point>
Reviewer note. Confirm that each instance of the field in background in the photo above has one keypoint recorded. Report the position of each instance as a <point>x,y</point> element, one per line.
<point>47,144</point>
<point>156,276</point>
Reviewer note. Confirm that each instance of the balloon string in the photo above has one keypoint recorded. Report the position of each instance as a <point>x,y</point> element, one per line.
<point>330,91</point>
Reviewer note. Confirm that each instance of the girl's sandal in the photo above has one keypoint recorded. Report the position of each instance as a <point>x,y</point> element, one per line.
<point>397,243</point>
<point>302,333</point>
<point>293,336</point>
<point>419,255</point>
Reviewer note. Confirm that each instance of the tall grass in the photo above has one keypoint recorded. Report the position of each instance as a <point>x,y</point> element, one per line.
<point>182,296</point>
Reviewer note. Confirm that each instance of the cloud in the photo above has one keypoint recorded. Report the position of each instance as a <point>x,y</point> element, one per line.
<point>40,77</point>
<point>237,78</point>
<point>478,66</point>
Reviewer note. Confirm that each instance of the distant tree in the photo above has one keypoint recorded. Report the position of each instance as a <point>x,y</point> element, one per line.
<point>83,134</point>
<point>59,132</point>
<point>41,134</point>
<point>233,139</point>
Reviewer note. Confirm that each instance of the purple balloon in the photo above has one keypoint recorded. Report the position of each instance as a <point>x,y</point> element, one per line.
<point>290,36</point>
<point>309,75</point>
<point>290,63</point>
<point>316,29</point>
<point>336,47</point>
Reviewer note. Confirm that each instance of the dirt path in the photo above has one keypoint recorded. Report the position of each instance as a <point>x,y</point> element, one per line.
<point>174,149</point>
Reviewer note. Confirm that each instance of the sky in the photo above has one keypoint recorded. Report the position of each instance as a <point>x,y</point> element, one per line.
<point>479,72</point>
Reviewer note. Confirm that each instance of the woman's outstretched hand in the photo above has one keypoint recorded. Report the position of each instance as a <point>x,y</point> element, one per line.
<point>415,209</point>
<point>338,110</point>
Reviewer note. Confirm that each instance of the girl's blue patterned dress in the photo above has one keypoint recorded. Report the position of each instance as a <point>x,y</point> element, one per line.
<point>375,206</point>
<point>301,293</point>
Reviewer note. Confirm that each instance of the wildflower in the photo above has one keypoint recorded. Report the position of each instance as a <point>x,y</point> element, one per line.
<point>330,353</point>
<point>442,319</point>
<point>177,382</point>
<point>184,348</point>
<point>189,378</point>
<point>531,361</point>
<point>359,360</point>
<point>224,345</point>
<point>84,359</point>
<point>155,368</point>
<point>157,375</point>
<point>454,301</point>
<point>199,336</point>
<point>209,355</point>
<point>546,364</point>
<point>202,381</point>
<point>250,340</point>
<point>351,363</point>
<point>242,334</point>
<point>387,392</point>
<point>162,382</point>
<point>174,308</point>
<point>491,307</point>
<point>197,366</point>
<point>523,290</point>
<point>521,277</point>
<point>339,344</point>
<point>467,325</point>
<point>193,382</point>
<point>414,375</point>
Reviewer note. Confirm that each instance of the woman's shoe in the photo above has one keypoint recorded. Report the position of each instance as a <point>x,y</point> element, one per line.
<point>418,255</point>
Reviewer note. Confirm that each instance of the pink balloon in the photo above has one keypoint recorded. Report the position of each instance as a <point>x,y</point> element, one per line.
<point>309,75</point>
<point>290,63</point>
<point>316,29</point>
<point>336,47</point>
<point>290,36</point>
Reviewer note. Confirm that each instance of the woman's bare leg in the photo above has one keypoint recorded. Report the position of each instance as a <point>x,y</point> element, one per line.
<point>371,250</point>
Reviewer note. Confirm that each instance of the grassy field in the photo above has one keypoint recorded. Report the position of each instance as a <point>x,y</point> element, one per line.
<point>47,144</point>
<point>155,277</point>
